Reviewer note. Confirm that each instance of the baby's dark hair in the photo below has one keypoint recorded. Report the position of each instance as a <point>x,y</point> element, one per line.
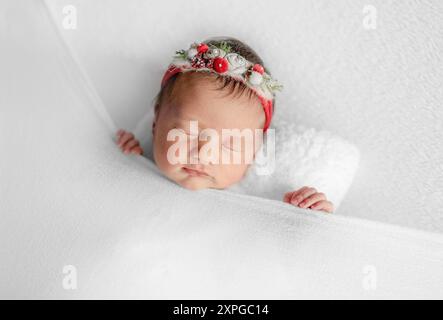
<point>234,86</point>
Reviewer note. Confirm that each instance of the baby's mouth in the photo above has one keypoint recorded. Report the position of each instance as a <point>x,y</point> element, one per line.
<point>195,173</point>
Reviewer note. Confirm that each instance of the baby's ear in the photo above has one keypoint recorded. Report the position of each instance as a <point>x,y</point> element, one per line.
<point>156,111</point>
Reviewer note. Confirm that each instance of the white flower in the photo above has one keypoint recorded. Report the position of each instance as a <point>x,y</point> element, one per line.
<point>214,52</point>
<point>192,52</point>
<point>255,78</point>
<point>237,64</point>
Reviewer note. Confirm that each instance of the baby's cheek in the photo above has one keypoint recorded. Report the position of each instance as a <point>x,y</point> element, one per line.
<point>229,174</point>
<point>161,147</point>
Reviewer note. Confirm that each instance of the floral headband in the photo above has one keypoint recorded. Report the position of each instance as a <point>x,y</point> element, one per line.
<point>221,60</point>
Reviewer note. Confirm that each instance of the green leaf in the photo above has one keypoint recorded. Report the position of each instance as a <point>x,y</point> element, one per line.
<point>274,85</point>
<point>181,54</point>
<point>225,47</point>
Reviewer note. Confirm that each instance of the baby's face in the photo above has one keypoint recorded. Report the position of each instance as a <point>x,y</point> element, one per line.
<point>197,99</point>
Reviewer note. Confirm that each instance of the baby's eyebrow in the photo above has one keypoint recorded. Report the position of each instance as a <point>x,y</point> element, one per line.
<point>183,118</point>
<point>180,115</point>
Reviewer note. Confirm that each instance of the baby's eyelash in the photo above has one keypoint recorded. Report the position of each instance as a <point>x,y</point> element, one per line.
<point>185,132</point>
<point>224,145</point>
<point>230,148</point>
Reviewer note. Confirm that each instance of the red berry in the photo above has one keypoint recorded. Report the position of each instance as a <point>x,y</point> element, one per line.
<point>220,65</point>
<point>202,48</point>
<point>258,68</point>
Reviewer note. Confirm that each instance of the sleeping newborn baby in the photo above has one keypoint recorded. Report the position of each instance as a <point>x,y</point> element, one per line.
<point>215,104</point>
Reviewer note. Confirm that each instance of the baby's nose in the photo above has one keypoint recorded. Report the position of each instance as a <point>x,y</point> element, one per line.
<point>196,144</point>
<point>195,147</point>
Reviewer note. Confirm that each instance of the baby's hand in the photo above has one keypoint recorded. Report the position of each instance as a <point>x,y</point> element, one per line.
<point>309,198</point>
<point>127,142</point>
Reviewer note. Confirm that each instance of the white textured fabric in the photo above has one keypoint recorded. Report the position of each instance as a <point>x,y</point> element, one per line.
<point>304,157</point>
<point>381,89</point>
<point>70,197</point>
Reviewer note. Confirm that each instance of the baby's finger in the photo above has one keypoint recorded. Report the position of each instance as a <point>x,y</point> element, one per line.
<point>129,145</point>
<point>137,150</point>
<point>302,195</point>
<point>120,132</point>
<point>312,199</point>
<point>119,135</point>
<point>125,138</point>
<point>287,197</point>
<point>293,194</point>
<point>323,205</point>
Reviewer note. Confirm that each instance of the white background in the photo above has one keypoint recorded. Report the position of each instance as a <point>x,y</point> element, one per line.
<point>381,89</point>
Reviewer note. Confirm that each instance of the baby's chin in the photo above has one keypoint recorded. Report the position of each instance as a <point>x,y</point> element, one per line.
<point>191,182</point>
<point>194,183</point>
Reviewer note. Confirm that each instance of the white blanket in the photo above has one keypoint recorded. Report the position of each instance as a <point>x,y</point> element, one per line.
<point>69,197</point>
<point>380,89</point>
